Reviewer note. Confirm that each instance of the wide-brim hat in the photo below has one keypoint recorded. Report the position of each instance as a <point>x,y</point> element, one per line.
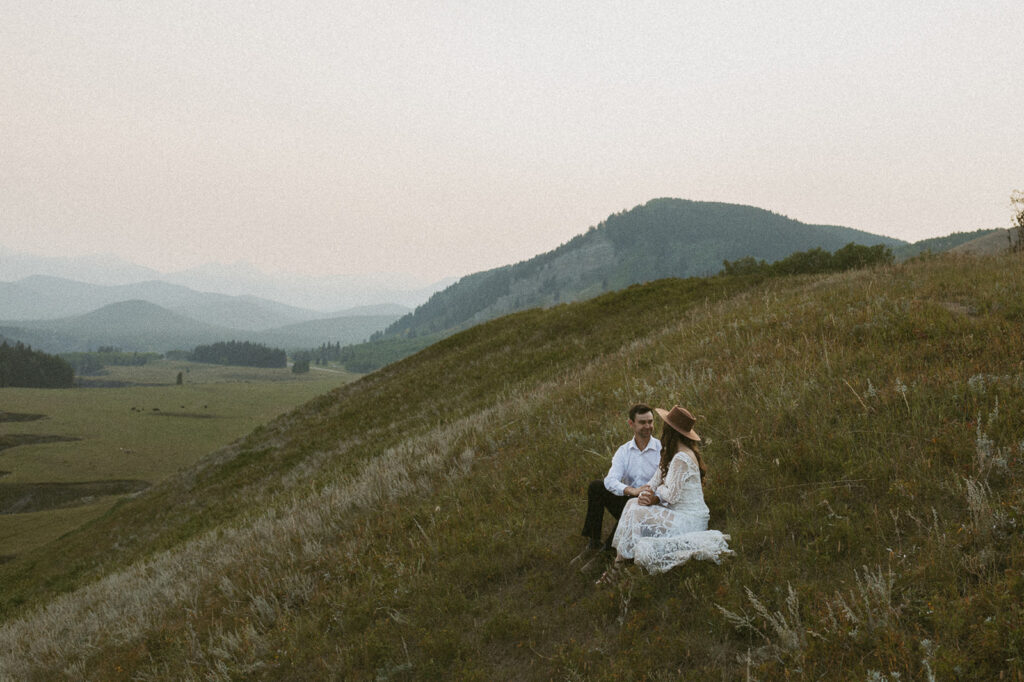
<point>680,419</point>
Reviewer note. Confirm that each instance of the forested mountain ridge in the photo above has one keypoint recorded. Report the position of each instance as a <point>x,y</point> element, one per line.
<point>662,238</point>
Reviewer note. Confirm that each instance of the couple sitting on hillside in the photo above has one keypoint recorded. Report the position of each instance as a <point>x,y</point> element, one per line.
<point>654,489</point>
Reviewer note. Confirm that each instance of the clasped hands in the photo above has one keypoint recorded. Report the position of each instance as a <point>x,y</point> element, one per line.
<point>645,496</point>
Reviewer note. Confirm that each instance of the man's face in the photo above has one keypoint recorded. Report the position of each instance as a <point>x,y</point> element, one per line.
<point>642,425</point>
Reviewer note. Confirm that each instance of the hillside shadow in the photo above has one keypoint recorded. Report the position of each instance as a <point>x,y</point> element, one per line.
<point>87,382</point>
<point>184,415</point>
<point>24,498</point>
<point>19,417</point>
<point>14,440</point>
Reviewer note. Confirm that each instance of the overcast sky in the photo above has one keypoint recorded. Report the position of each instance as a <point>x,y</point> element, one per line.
<point>442,138</point>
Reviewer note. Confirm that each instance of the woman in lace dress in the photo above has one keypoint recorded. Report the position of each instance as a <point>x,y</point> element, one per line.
<point>667,524</point>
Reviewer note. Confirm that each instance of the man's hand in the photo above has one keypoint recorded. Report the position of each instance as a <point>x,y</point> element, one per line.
<point>647,496</point>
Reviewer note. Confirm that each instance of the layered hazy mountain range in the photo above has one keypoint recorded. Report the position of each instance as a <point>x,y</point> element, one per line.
<point>155,316</point>
<point>60,304</point>
<point>323,294</point>
<point>102,301</point>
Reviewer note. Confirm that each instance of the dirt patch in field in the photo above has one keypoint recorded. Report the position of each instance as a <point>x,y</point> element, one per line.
<point>187,415</point>
<point>19,417</point>
<point>23,498</point>
<point>960,308</point>
<point>13,440</point>
<point>113,383</point>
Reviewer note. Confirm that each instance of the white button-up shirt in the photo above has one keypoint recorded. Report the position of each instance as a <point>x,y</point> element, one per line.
<point>633,467</point>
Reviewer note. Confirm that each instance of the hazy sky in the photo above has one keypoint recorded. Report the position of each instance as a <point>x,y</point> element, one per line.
<point>441,138</point>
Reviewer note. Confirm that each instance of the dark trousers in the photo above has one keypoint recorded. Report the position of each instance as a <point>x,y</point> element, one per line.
<point>599,499</point>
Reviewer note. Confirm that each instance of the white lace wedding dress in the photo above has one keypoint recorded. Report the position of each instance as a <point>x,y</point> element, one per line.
<point>664,535</point>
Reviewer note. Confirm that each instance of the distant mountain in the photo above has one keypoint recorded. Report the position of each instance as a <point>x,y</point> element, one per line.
<point>322,294</point>
<point>43,297</point>
<point>344,330</point>
<point>662,238</point>
<point>382,309</point>
<point>99,269</point>
<point>245,312</point>
<point>144,326</point>
<point>18,302</point>
<point>131,325</point>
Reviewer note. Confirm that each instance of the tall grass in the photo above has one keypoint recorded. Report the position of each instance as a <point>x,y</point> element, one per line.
<point>864,442</point>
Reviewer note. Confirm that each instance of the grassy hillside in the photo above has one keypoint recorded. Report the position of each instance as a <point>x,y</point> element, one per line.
<point>994,242</point>
<point>955,241</point>
<point>864,442</point>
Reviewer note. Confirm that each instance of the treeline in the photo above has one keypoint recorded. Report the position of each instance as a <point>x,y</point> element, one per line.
<point>324,355</point>
<point>242,353</point>
<point>86,364</point>
<point>371,355</point>
<point>850,257</point>
<point>362,357</point>
<point>23,367</point>
<point>327,352</point>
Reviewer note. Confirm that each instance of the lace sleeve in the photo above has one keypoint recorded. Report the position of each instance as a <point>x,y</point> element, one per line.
<point>680,471</point>
<point>656,478</point>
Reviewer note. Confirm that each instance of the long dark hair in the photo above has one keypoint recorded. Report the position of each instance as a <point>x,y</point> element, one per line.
<point>671,440</point>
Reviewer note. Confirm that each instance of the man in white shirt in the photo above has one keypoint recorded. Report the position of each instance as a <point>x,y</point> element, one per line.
<point>633,465</point>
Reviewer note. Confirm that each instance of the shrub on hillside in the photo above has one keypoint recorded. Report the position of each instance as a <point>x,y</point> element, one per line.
<point>301,363</point>
<point>813,261</point>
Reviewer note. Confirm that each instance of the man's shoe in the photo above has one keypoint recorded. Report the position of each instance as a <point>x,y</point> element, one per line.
<point>592,548</point>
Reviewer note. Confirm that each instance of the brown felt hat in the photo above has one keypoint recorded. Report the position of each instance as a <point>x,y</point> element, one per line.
<point>680,419</point>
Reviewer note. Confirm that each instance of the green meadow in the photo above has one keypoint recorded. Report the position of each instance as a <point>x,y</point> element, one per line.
<point>863,434</point>
<point>143,429</point>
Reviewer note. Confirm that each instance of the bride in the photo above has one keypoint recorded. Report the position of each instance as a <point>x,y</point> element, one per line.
<point>667,523</point>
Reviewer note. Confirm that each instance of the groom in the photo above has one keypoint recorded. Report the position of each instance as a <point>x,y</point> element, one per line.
<point>633,465</point>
